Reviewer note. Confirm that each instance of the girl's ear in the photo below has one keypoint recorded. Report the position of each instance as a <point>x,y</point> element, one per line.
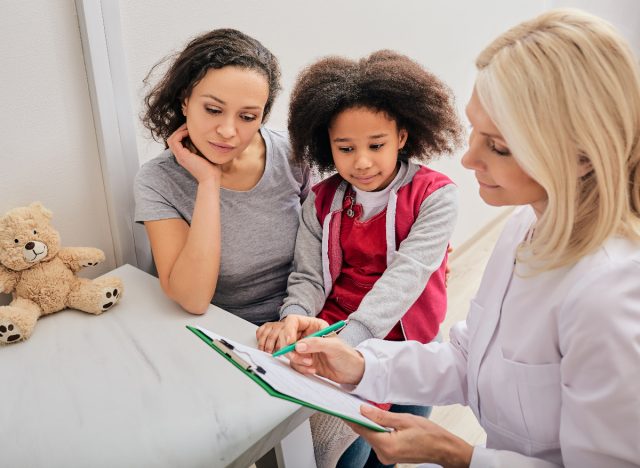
<point>184,106</point>
<point>402,137</point>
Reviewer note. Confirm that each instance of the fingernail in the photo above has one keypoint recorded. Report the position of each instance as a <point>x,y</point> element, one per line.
<point>301,347</point>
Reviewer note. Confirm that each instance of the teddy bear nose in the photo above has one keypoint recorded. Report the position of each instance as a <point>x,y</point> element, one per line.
<point>29,246</point>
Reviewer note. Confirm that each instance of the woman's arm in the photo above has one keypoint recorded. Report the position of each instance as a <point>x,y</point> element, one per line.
<point>405,372</point>
<point>412,373</point>
<point>188,257</point>
<point>398,369</point>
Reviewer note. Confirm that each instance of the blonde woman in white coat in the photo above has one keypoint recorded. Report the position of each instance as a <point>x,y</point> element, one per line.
<point>549,356</point>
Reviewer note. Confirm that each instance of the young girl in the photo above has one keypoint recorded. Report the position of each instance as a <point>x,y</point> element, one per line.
<point>221,205</point>
<point>373,238</point>
<point>549,356</point>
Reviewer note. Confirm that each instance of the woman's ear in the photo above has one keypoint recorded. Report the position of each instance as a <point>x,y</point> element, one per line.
<point>584,165</point>
<point>402,138</point>
<point>184,106</point>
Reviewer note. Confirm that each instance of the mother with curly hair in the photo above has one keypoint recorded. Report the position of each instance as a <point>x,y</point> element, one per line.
<point>221,204</point>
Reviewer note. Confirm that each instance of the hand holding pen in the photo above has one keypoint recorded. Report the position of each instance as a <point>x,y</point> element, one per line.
<point>330,358</point>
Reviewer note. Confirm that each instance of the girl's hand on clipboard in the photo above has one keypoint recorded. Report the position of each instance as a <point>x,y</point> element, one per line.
<point>328,357</point>
<point>273,336</point>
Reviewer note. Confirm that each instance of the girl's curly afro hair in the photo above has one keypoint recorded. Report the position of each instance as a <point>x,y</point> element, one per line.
<point>384,81</point>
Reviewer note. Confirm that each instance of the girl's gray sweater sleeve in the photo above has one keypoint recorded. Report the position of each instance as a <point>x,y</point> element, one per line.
<point>305,287</point>
<point>417,257</point>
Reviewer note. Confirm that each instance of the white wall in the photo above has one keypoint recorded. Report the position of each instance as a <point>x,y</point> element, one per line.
<point>49,150</point>
<point>444,35</point>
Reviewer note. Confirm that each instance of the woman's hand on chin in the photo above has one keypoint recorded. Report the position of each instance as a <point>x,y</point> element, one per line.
<point>198,166</point>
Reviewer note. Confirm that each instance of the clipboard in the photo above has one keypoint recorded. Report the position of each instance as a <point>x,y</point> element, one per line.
<point>255,372</point>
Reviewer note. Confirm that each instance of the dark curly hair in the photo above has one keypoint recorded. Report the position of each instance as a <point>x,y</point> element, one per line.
<point>216,49</point>
<point>385,81</point>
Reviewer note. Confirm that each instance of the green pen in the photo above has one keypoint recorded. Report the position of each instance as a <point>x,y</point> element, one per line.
<point>336,327</point>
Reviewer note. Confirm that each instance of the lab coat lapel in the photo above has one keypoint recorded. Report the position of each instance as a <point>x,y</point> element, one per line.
<point>491,293</point>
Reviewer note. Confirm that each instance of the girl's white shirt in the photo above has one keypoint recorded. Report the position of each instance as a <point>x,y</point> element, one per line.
<point>549,364</point>
<point>374,202</point>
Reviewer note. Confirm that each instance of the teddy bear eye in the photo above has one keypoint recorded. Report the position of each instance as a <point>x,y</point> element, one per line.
<point>35,232</point>
<point>16,240</point>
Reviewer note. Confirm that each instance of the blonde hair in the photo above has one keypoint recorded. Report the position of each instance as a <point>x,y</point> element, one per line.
<point>564,88</point>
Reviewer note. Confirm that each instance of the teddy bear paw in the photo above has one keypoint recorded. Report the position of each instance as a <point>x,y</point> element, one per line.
<point>110,296</point>
<point>8,332</point>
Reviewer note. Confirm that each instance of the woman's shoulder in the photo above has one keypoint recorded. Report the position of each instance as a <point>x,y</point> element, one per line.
<point>617,253</point>
<point>160,169</point>
<point>602,306</point>
<point>278,146</point>
<point>278,137</point>
<point>604,284</point>
<point>280,157</point>
<point>164,162</point>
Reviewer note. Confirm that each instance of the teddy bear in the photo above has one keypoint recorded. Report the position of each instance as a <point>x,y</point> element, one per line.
<point>41,275</point>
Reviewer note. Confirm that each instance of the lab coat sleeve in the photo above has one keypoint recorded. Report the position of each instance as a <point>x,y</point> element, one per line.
<point>411,373</point>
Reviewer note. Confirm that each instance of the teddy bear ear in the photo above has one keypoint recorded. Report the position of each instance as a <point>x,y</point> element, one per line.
<point>39,207</point>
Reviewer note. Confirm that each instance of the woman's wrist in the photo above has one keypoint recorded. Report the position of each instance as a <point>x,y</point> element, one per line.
<point>456,453</point>
<point>212,182</point>
<point>358,369</point>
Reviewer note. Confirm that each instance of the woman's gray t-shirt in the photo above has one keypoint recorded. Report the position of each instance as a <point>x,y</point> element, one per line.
<point>259,226</point>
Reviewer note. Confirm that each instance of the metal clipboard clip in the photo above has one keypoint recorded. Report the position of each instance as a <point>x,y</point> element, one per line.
<point>228,350</point>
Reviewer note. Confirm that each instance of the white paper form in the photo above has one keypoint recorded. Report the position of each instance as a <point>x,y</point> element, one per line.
<point>312,389</point>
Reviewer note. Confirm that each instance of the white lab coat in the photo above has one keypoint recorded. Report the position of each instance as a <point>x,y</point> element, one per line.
<point>549,364</point>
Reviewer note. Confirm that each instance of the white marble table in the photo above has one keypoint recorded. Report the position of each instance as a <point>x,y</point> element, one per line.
<point>134,388</point>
